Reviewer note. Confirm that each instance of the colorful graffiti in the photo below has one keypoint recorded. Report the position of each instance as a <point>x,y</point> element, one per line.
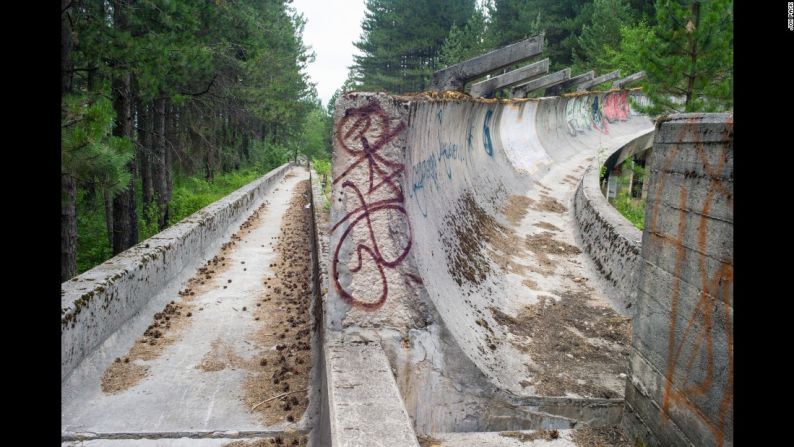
<point>594,112</point>
<point>578,114</point>
<point>687,380</point>
<point>372,178</point>
<point>615,107</point>
<point>486,133</point>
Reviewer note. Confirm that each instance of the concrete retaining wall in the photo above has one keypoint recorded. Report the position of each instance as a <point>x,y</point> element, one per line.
<point>96,303</point>
<point>611,241</point>
<point>681,387</point>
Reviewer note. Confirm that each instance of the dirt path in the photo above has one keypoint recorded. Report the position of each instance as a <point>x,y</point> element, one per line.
<point>235,335</point>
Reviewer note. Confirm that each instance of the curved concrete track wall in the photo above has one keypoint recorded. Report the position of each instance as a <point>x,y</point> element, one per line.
<point>449,219</point>
<point>96,303</point>
<point>611,240</point>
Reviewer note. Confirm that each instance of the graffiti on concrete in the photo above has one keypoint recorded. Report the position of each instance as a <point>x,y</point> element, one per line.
<point>687,377</point>
<point>594,112</point>
<point>578,114</point>
<point>486,133</point>
<point>615,107</point>
<point>425,173</point>
<point>372,178</point>
<point>599,123</point>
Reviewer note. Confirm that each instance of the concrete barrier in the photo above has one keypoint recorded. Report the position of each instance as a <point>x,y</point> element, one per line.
<point>96,303</point>
<point>611,240</point>
<point>681,387</point>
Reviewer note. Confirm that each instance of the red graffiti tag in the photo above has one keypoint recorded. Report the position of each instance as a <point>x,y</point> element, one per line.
<point>680,363</point>
<point>362,133</point>
<point>615,107</point>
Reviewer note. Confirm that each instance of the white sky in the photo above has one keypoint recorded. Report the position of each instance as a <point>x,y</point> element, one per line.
<point>332,27</point>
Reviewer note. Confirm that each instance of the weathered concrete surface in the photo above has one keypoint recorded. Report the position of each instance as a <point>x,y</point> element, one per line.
<point>611,240</point>
<point>212,440</point>
<point>177,398</point>
<point>555,78</point>
<point>621,83</point>
<point>598,80</point>
<point>364,401</point>
<point>527,72</point>
<point>95,304</point>
<point>519,438</point>
<point>681,387</point>
<point>456,76</point>
<point>576,80</point>
<point>419,187</point>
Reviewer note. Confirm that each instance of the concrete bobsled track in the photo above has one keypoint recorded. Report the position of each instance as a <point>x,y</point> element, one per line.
<point>467,285</point>
<point>455,249</point>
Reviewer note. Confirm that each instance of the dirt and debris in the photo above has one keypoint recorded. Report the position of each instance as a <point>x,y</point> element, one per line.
<point>549,204</point>
<point>219,357</point>
<point>547,226</point>
<point>120,376</point>
<point>611,436</point>
<point>516,208</point>
<point>546,435</point>
<point>530,283</point>
<point>166,328</point>
<point>285,326</point>
<point>544,243</point>
<point>428,441</point>
<point>476,237</point>
<point>168,325</point>
<point>285,440</point>
<point>570,342</point>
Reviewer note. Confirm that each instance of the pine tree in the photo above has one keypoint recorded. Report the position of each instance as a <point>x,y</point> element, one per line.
<point>401,40</point>
<point>466,42</point>
<point>600,33</point>
<point>560,20</point>
<point>690,56</point>
<point>190,95</point>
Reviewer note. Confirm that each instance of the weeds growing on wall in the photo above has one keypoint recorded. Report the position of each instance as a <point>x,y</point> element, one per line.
<point>190,195</point>
<point>627,200</point>
<point>631,208</point>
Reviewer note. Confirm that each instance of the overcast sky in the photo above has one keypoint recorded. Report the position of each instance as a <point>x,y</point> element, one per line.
<point>332,27</point>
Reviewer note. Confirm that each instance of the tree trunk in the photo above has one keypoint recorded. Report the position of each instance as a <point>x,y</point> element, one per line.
<point>693,55</point>
<point>159,162</point>
<point>170,143</point>
<point>68,183</point>
<point>144,149</point>
<point>66,49</point>
<point>68,227</point>
<point>107,200</point>
<point>124,226</point>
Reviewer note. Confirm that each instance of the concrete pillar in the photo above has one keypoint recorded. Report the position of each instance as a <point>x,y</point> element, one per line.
<point>680,389</point>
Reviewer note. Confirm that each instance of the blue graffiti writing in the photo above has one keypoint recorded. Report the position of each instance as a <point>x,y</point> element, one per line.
<point>486,133</point>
